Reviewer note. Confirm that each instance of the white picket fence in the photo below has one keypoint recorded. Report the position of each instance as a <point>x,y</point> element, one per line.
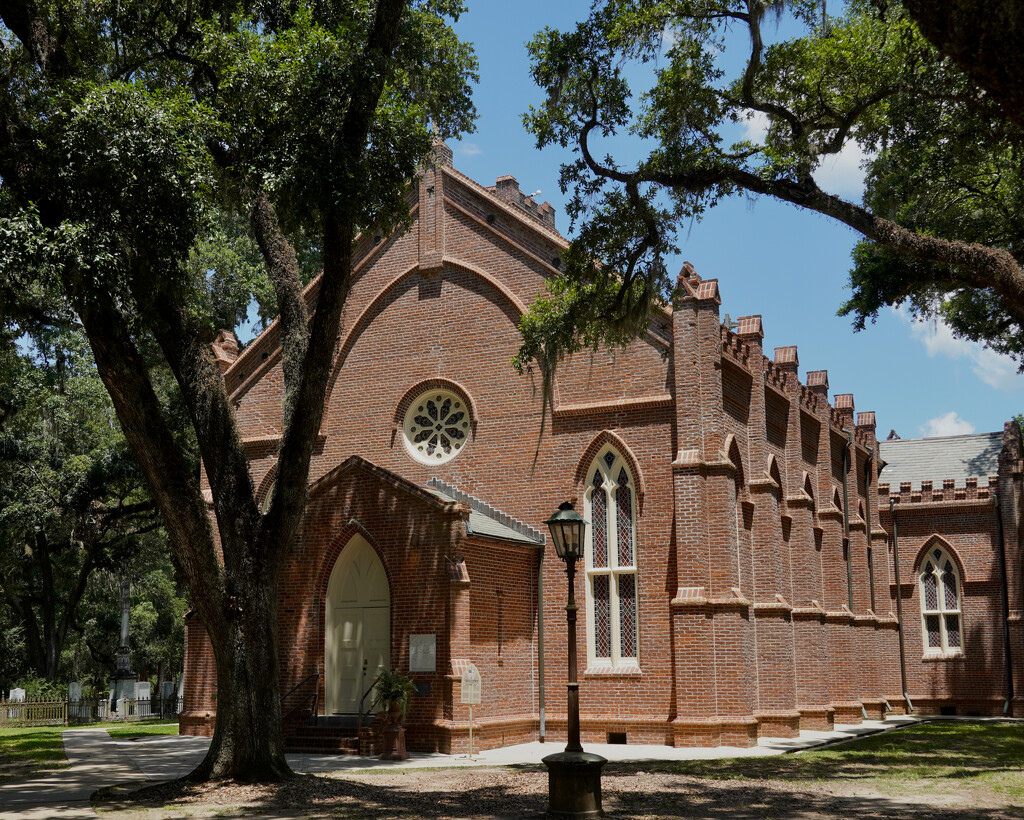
<point>21,713</point>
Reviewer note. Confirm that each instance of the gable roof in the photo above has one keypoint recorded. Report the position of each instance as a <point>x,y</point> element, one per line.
<point>937,459</point>
<point>402,485</point>
<point>485,520</point>
<point>482,519</point>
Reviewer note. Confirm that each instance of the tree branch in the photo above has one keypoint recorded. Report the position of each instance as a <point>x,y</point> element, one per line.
<point>26,21</point>
<point>174,490</point>
<point>283,270</point>
<point>216,432</point>
<point>339,229</point>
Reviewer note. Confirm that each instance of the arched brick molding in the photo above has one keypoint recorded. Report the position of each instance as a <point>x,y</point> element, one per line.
<point>265,487</point>
<point>397,286</point>
<point>608,438</point>
<point>938,541</point>
<point>330,556</point>
<point>435,384</point>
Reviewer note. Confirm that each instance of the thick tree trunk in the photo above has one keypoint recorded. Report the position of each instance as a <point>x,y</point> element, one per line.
<point>248,742</point>
<point>984,38</point>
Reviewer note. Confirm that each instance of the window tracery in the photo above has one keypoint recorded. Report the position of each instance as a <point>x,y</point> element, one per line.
<point>437,426</point>
<point>940,604</point>
<point>610,504</point>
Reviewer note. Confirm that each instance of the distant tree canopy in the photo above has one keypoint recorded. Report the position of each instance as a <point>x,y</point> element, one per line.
<point>135,136</point>
<point>941,217</point>
<point>74,512</point>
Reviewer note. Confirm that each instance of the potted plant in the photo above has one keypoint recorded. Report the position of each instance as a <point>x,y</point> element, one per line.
<point>392,692</point>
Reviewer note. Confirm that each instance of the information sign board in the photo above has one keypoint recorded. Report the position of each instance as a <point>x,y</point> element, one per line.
<point>471,686</point>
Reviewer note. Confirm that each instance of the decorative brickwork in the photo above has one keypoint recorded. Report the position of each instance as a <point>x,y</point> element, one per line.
<point>742,538</point>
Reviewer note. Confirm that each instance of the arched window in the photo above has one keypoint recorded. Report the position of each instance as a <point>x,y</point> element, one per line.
<point>610,502</point>
<point>268,497</point>
<point>940,604</point>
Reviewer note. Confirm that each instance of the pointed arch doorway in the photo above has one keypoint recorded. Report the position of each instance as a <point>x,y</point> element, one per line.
<point>358,634</point>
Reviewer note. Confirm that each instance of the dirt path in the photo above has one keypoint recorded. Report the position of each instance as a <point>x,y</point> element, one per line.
<point>630,791</point>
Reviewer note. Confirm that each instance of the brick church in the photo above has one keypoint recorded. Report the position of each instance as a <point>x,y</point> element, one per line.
<point>744,575</point>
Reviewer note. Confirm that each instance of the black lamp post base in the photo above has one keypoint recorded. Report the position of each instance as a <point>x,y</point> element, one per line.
<point>574,784</point>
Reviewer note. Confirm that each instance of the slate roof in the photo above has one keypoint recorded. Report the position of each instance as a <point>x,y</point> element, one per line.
<point>936,459</point>
<point>485,520</point>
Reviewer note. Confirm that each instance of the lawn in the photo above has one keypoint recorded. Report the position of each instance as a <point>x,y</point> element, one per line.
<point>25,752</point>
<point>129,731</point>
<point>942,755</point>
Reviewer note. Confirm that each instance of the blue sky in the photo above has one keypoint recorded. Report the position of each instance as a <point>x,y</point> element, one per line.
<point>786,264</point>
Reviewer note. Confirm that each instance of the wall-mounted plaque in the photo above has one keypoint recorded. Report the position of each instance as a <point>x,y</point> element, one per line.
<point>422,653</point>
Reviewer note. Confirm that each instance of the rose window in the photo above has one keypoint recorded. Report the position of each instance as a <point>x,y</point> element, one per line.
<point>437,426</point>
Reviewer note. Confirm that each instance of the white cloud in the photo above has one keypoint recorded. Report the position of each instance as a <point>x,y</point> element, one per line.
<point>949,424</point>
<point>669,36</point>
<point>992,368</point>
<point>755,126</point>
<point>841,174</point>
<point>469,149</point>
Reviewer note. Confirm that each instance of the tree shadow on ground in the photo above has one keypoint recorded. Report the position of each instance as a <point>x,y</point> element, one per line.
<point>629,791</point>
<point>954,750</point>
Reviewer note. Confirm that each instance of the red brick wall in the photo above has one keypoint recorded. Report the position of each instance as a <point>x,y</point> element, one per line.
<point>742,577</point>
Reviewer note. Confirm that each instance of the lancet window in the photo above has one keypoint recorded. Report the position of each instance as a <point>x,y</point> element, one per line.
<point>611,558</point>
<point>940,604</point>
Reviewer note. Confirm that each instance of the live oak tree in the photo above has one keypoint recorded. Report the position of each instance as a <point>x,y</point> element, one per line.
<point>72,501</point>
<point>941,215</point>
<point>125,127</point>
<point>983,38</point>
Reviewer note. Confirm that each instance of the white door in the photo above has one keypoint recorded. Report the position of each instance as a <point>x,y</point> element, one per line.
<point>358,633</point>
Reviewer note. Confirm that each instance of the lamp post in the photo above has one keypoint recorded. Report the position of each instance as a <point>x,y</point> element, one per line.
<point>574,776</point>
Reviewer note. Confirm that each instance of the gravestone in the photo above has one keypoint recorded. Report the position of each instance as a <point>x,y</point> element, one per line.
<point>142,690</point>
<point>74,691</point>
<point>17,695</point>
<point>167,689</point>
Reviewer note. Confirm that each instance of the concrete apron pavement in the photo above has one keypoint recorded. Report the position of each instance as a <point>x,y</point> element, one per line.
<point>97,760</point>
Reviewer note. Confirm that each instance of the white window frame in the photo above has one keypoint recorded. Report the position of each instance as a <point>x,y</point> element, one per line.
<point>941,612</point>
<point>617,662</point>
<point>411,426</point>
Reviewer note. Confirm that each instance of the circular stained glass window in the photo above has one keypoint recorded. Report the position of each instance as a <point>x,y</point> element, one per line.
<point>437,426</point>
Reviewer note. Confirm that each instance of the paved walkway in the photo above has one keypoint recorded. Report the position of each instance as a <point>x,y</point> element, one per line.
<point>97,760</point>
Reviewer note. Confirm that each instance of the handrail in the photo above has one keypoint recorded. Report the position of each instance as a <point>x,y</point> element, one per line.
<point>316,697</point>
<point>300,683</point>
<point>362,700</point>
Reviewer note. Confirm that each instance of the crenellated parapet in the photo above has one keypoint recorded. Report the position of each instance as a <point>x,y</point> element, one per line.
<point>775,376</point>
<point>507,190</point>
<point>944,491</point>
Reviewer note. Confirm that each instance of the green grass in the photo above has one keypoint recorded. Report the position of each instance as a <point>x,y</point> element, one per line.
<point>30,749</point>
<point>948,754</point>
<point>129,731</point>
<point>24,752</point>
